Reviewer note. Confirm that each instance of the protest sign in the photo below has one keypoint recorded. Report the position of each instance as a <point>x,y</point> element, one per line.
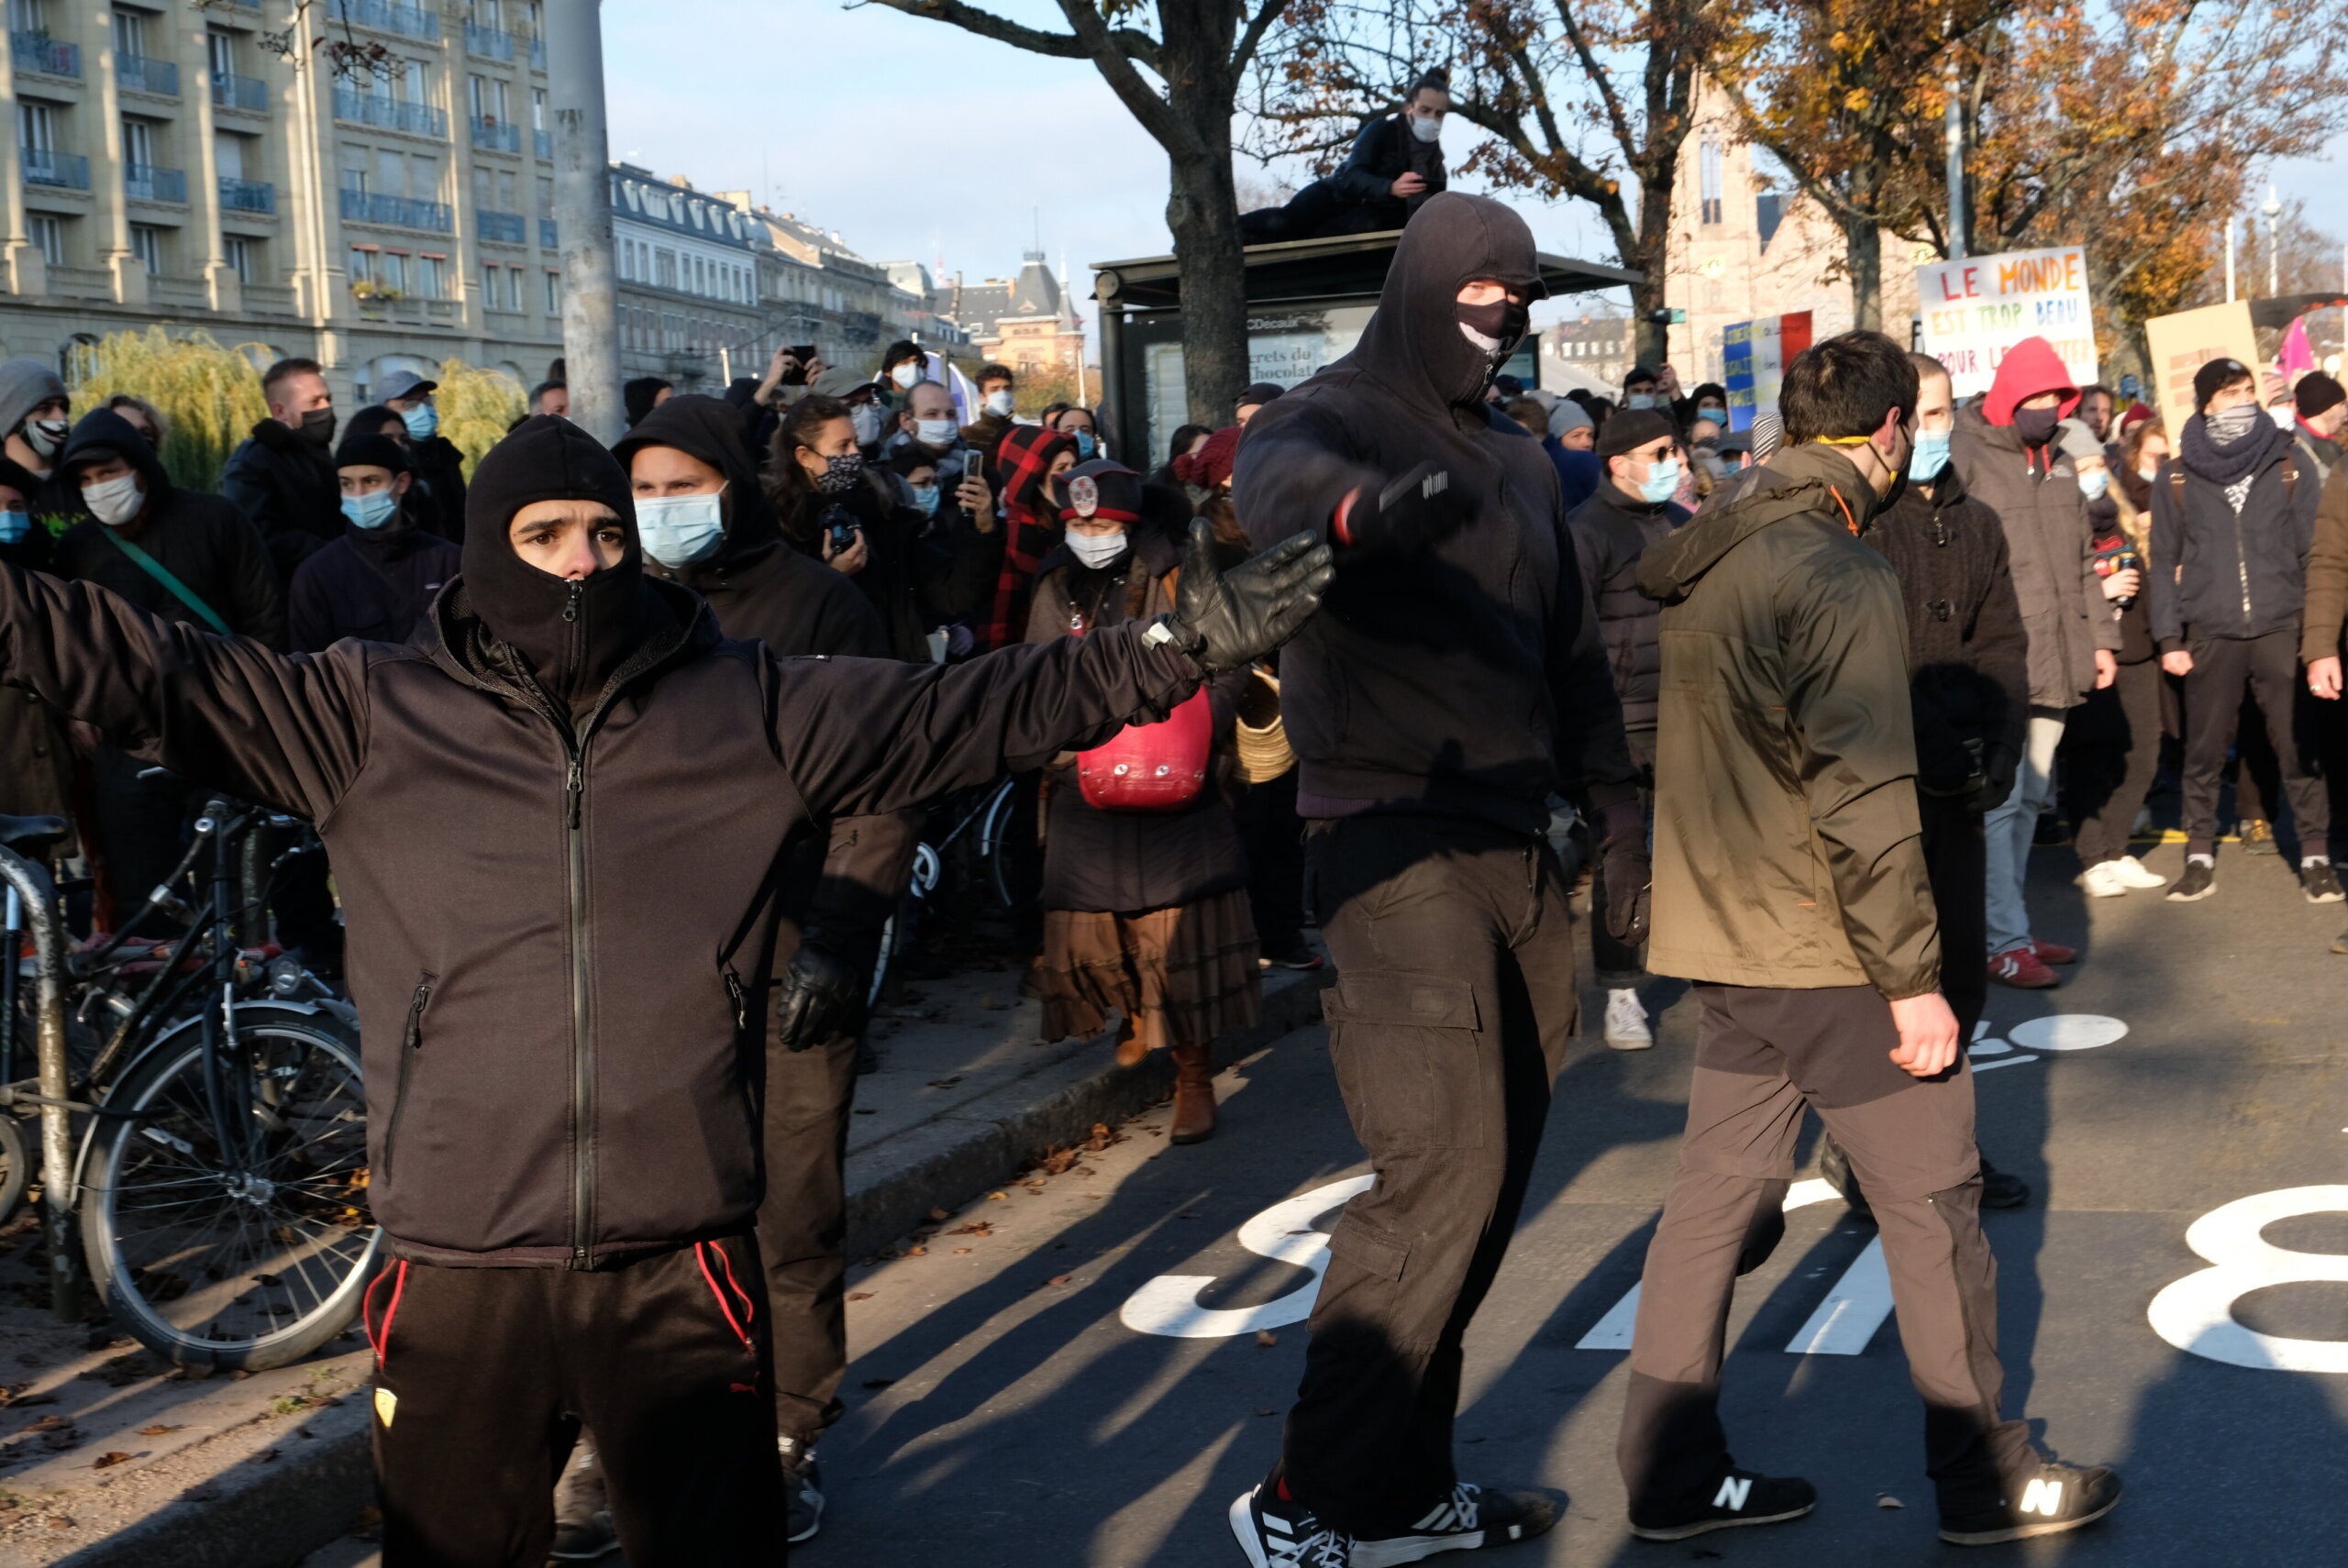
<point>1754,356</point>
<point>2183,343</point>
<point>1976,309</point>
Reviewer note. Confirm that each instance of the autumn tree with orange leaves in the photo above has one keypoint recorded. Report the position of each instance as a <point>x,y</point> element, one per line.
<point>1586,100</point>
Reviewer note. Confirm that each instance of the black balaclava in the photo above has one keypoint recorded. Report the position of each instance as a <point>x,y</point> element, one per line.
<point>1413,345</point>
<point>573,636</point>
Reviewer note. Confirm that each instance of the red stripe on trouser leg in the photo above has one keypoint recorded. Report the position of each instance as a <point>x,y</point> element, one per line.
<point>701,1256</point>
<point>733,1284</point>
<point>380,1343</point>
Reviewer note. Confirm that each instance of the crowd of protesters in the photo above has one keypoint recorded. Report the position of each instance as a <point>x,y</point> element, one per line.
<point>2048,602</point>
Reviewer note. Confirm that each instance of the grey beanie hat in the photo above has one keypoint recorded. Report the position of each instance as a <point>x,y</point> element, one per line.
<point>1566,414</point>
<point>24,385</point>
<point>2075,440</point>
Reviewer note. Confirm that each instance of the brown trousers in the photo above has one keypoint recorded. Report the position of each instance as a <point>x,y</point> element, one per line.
<point>1761,1058</point>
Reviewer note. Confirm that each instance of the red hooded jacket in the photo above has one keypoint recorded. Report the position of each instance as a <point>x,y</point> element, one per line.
<point>2030,367</point>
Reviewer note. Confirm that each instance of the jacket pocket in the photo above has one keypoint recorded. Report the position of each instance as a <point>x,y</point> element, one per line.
<point>411,1046</point>
<point>1408,1062</point>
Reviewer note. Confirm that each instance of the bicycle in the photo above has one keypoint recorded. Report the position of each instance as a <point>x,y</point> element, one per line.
<point>219,1174</point>
<point>981,821</point>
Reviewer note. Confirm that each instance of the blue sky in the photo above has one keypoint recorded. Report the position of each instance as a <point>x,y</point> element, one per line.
<point>916,140</point>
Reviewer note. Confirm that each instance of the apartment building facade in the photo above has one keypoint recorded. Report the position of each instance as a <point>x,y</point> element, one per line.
<point>163,165</point>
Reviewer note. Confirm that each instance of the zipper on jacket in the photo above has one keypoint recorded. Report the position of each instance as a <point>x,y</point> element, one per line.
<point>582,1051</point>
<point>2242,565</point>
<point>411,1042</point>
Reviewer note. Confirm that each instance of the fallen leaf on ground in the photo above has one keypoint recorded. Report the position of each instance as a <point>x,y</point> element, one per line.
<point>108,1459</point>
<point>1888,1501</point>
<point>917,1252</point>
<point>962,1252</point>
<point>860,1295</point>
<point>975,1228</point>
<point>946,1082</point>
<point>939,1214</point>
<point>1263,1411</point>
<point>1266,1338</point>
<point>46,1424</point>
<point>1059,1279</point>
<point>997,1197</point>
<point>158,1429</point>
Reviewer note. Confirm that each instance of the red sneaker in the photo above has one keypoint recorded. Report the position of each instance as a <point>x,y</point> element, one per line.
<point>2022,969</point>
<point>2053,951</point>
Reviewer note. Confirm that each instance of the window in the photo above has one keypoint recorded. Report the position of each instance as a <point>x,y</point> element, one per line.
<point>432,277</point>
<point>36,126</point>
<point>488,99</point>
<point>228,155</point>
<point>423,177</point>
<point>554,294</point>
<point>537,108</point>
<point>390,171</point>
<point>416,81</point>
<point>487,12</point>
<point>220,52</point>
<point>1708,167</point>
<point>48,235</point>
<point>480,190</point>
<point>664,268</point>
<point>395,269</point>
<point>509,193</point>
<point>513,288</point>
<point>238,251</point>
<point>363,263</point>
<point>26,17</point>
<point>138,142</point>
<point>147,244</point>
<point>545,197</point>
<point>489,285</point>
<point>130,34</point>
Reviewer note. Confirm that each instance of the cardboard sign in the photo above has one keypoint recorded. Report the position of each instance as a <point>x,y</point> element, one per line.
<point>2183,343</point>
<point>1976,309</point>
<point>1754,357</point>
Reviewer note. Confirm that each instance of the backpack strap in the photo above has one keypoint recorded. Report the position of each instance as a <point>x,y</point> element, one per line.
<point>172,585</point>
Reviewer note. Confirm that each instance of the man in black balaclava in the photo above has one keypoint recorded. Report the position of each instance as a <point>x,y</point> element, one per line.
<point>558,817</point>
<point>1457,684</point>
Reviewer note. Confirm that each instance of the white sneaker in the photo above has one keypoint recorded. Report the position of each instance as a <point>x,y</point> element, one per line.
<point>2135,873</point>
<point>2104,880</point>
<point>1626,1021</point>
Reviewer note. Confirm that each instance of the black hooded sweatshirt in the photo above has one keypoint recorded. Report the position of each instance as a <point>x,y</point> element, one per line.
<point>286,486</point>
<point>373,583</point>
<point>1468,678</point>
<point>201,539</point>
<point>540,894</point>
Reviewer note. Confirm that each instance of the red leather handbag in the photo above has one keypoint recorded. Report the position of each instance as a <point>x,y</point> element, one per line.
<point>1151,768</point>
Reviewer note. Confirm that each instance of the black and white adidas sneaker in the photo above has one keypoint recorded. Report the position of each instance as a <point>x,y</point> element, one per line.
<point>2051,1499</point>
<point>1472,1515</point>
<point>1741,1498</point>
<point>1277,1533</point>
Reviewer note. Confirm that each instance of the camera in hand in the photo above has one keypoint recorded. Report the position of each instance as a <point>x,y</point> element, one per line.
<point>841,523</point>
<point>2114,553</point>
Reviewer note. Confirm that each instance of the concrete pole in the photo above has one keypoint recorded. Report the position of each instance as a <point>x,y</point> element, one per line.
<point>1957,208</point>
<point>582,215</point>
<point>2230,260</point>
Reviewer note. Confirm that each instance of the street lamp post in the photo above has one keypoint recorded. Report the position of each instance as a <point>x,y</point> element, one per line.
<point>583,212</point>
<point>2230,260</point>
<point>2274,211</point>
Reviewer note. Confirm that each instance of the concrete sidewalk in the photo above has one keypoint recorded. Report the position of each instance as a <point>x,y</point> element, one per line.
<point>108,1459</point>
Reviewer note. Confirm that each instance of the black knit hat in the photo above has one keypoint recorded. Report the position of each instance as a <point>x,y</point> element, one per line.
<point>370,451</point>
<point>1256,393</point>
<point>2318,394</point>
<point>2213,377</point>
<point>1631,429</point>
<point>1101,489</point>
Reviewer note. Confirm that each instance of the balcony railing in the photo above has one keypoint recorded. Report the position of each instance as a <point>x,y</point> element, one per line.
<point>408,21</point>
<point>232,92</point>
<point>248,195</point>
<point>68,170</point>
<point>390,114</point>
<point>148,183</point>
<point>542,143</point>
<point>489,43</point>
<point>39,51</point>
<point>547,238</point>
<point>537,54</point>
<point>496,134</point>
<point>142,74</point>
<point>400,212</point>
<point>506,228</point>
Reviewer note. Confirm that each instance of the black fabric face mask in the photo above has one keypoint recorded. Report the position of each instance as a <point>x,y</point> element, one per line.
<point>317,427</point>
<point>2037,424</point>
<point>1503,319</point>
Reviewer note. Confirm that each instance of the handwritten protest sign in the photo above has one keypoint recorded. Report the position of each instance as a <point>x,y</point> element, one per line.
<point>2183,343</point>
<point>1976,309</point>
<point>1754,356</point>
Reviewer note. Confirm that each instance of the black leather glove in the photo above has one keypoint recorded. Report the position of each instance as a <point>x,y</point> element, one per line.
<point>1409,515</point>
<point>818,998</point>
<point>1630,874</point>
<point>1229,620</point>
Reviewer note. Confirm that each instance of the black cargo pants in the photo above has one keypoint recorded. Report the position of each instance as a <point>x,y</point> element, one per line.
<point>484,1376</point>
<point>1447,1026</point>
<point>1762,1057</point>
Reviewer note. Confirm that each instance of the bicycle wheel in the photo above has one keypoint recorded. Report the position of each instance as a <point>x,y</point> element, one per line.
<point>994,841</point>
<point>16,1164</point>
<point>242,1263</point>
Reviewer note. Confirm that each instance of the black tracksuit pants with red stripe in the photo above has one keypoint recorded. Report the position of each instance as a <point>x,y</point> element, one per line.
<point>484,1377</point>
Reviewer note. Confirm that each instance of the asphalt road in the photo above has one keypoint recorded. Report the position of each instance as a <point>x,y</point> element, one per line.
<point>1004,1413</point>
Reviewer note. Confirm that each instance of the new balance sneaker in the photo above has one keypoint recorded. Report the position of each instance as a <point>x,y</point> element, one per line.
<point>2104,880</point>
<point>2022,968</point>
<point>1471,1517</point>
<point>1626,1021</point>
<point>2320,882</point>
<point>2136,874</point>
<point>1276,1532</point>
<point>2053,952</point>
<point>2257,836</point>
<point>802,1489</point>
<point>2053,1499</point>
<point>2201,881</point>
<point>1742,1499</point>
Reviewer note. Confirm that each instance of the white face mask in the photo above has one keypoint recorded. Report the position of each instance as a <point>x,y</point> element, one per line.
<point>934,432</point>
<point>1097,550</point>
<point>115,501</point>
<point>1427,127</point>
<point>1000,402</point>
<point>865,420</point>
<point>906,374</point>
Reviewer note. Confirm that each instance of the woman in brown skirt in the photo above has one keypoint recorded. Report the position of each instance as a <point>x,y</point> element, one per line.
<point>1144,912</point>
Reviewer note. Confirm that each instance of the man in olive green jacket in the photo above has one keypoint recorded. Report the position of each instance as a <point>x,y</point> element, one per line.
<point>1791,886</point>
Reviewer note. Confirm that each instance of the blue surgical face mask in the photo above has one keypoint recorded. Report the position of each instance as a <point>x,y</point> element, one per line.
<point>372,510</point>
<point>1930,458</point>
<point>678,530</point>
<point>925,497</point>
<point>421,421</point>
<point>1084,444</point>
<point>2092,483</point>
<point>1662,481</point>
<point>14,523</point>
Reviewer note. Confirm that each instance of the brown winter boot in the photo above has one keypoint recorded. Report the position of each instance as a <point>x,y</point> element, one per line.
<point>1193,1096</point>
